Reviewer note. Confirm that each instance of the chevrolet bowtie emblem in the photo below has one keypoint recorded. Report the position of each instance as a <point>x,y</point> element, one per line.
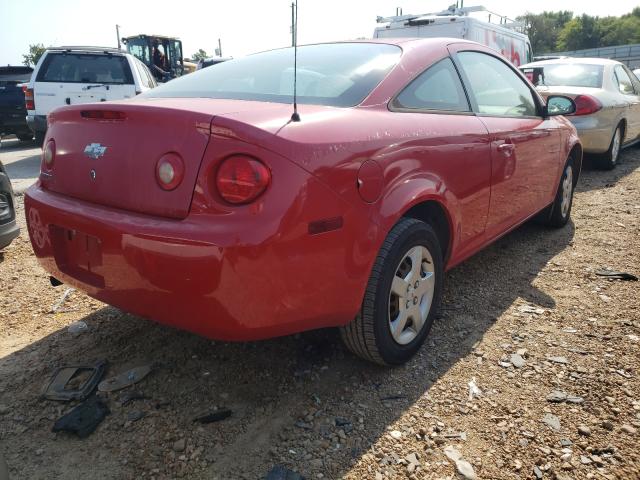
<point>94,150</point>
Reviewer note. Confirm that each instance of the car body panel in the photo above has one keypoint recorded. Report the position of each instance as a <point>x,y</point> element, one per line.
<point>9,229</point>
<point>273,267</point>
<point>596,130</point>
<point>12,106</point>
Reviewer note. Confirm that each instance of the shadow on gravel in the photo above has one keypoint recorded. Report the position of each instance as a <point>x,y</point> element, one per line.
<point>593,178</point>
<point>15,145</point>
<point>270,386</point>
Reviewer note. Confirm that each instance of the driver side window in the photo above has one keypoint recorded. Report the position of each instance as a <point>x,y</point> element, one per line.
<point>498,90</point>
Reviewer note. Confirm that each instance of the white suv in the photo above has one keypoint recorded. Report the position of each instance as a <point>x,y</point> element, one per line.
<point>73,75</point>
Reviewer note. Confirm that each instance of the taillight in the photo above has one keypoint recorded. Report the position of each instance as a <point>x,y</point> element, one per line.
<point>49,154</point>
<point>169,171</point>
<point>242,179</point>
<point>586,104</point>
<point>29,101</point>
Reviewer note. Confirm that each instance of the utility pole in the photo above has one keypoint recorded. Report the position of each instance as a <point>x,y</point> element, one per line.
<point>219,48</point>
<point>118,35</point>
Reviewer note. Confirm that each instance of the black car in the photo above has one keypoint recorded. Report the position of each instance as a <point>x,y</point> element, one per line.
<point>12,108</point>
<point>8,227</point>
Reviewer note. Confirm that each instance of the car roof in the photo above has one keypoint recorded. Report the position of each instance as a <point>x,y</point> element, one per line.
<point>576,60</point>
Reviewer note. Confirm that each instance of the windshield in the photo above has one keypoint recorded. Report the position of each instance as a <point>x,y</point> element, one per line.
<point>85,68</point>
<point>340,75</point>
<point>566,75</point>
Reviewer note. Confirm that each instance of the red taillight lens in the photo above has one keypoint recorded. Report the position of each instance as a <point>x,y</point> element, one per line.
<point>49,154</point>
<point>242,179</point>
<point>103,114</point>
<point>586,104</point>
<point>169,171</point>
<point>29,101</point>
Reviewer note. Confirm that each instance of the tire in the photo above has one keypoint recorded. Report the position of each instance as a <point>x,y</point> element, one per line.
<point>25,137</point>
<point>370,335</point>
<point>560,209</point>
<point>609,159</point>
<point>40,138</point>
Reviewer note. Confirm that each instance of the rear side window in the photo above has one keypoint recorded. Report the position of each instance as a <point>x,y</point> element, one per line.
<point>85,68</point>
<point>497,89</point>
<point>437,88</point>
<point>624,82</point>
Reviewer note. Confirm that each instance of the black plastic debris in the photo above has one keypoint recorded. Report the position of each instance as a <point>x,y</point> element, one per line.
<point>215,416</point>
<point>84,418</point>
<point>131,395</point>
<point>617,275</point>
<point>281,473</point>
<point>74,383</point>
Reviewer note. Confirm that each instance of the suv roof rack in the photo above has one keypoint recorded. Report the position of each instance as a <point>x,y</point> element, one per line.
<point>86,48</point>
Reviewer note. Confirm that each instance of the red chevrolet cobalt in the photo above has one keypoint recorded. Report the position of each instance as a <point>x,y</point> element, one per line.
<point>204,204</point>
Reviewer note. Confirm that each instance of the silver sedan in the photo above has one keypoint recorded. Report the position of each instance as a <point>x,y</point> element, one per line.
<point>607,97</point>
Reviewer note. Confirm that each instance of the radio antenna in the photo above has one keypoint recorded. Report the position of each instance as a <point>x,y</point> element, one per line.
<point>295,117</point>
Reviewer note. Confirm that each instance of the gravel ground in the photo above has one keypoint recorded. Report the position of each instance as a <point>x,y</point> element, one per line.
<point>552,347</point>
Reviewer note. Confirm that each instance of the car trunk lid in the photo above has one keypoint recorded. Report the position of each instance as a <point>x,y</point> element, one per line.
<point>113,162</point>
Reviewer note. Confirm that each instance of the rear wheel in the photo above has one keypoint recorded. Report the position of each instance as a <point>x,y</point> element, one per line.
<point>402,296</point>
<point>609,159</point>
<point>39,138</point>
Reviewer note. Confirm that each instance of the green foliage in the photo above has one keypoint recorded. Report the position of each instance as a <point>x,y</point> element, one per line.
<point>35,52</point>
<point>199,55</point>
<point>560,31</point>
<point>543,29</point>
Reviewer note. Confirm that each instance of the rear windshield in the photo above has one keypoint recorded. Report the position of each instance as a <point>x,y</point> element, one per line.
<point>85,68</point>
<point>566,75</point>
<point>340,75</point>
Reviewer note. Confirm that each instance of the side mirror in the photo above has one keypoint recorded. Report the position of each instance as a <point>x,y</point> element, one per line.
<point>559,105</point>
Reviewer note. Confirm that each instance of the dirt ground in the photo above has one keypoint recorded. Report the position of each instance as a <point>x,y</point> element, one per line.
<point>524,318</point>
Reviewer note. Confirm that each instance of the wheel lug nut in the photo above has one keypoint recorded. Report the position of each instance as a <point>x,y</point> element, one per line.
<point>415,300</point>
<point>417,284</point>
<point>408,303</point>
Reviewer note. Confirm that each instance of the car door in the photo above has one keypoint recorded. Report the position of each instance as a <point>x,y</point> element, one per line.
<point>453,144</point>
<point>525,147</point>
<point>631,94</point>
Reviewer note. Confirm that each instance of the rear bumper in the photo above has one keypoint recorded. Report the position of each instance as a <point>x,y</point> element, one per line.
<point>192,273</point>
<point>37,123</point>
<point>8,232</point>
<point>594,136</point>
<point>13,123</point>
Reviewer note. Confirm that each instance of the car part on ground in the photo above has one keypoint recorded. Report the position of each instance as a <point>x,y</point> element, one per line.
<point>178,204</point>
<point>607,95</point>
<point>84,418</point>
<point>9,229</point>
<point>125,379</point>
<point>74,383</point>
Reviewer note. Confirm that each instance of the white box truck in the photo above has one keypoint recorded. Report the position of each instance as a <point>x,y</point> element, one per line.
<point>457,23</point>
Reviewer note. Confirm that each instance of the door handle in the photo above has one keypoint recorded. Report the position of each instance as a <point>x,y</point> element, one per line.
<point>506,148</point>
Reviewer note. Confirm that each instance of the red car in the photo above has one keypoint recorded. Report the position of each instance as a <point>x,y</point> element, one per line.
<point>204,205</point>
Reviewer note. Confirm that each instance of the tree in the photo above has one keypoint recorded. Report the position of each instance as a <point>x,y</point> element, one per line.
<point>35,52</point>
<point>579,33</point>
<point>199,55</point>
<point>543,29</point>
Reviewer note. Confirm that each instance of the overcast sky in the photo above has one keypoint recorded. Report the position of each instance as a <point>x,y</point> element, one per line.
<point>244,26</point>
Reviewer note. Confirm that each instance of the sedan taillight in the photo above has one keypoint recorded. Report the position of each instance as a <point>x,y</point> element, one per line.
<point>586,105</point>
<point>241,179</point>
